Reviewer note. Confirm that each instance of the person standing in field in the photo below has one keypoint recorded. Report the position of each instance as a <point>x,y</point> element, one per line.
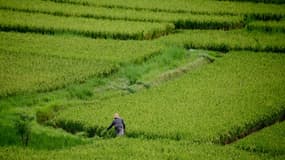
<point>119,125</point>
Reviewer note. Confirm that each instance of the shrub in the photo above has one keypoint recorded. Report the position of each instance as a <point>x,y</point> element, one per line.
<point>23,128</point>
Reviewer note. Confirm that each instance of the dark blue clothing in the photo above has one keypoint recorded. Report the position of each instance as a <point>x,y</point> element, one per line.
<point>119,125</point>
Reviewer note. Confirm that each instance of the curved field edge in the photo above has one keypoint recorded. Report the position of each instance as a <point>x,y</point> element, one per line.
<point>269,140</point>
<point>68,56</point>
<point>181,20</point>
<point>231,100</point>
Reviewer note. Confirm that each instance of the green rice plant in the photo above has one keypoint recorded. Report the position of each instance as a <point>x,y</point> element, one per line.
<point>215,104</point>
<point>79,47</point>
<point>31,62</point>
<point>267,26</point>
<point>227,40</point>
<point>181,20</point>
<point>26,73</point>
<point>224,22</point>
<point>126,148</point>
<point>114,29</point>
<point>268,140</point>
<point>258,11</point>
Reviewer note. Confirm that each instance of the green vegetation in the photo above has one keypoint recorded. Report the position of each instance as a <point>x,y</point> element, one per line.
<point>23,73</point>
<point>40,138</point>
<point>259,11</point>
<point>259,1</point>
<point>42,23</point>
<point>268,26</point>
<point>269,140</point>
<point>227,40</point>
<point>127,148</point>
<point>206,93</point>
<point>202,107</point>
<point>151,72</point>
<point>23,128</point>
<point>60,61</point>
<point>79,47</point>
<point>181,20</point>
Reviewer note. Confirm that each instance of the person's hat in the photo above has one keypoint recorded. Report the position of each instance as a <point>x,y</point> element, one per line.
<point>116,115</point>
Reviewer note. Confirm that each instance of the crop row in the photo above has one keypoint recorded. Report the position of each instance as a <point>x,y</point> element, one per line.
<point>124,148</point>
<point>22,72</point>
<point>227,40</point>
<point>79,47</point>
<point>214,104</point>
<point>32,62</point>
<point>260,11</point>
<point>269,140</point>
<point>181,20</point>
<point>268,26</point>
<point>117,29</point>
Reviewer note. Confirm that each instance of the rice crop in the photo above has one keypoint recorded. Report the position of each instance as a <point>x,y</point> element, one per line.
<point>124,148</point>
<point>32,62</point>
<point>217,103</point>
<point>259,11</point>
<point>269,140</point>
<point>181,20</point>
<point>227,40</point>
<point>267,26</point>
<point>116,29</point>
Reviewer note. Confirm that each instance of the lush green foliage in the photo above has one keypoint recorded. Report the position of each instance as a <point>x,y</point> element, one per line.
<point>79,47</point>
<point>267,26</point>
<point>228,40</point>
<point>181,20</point>
<point>23,127</point>
<point>174,105</point>
<point>269,140</point>
<point>25,72</point>
<point>260,11</point>
<point>216,103</point>
<point>126,148</point>
<point>40,138</point>
<point>117,29</point>
<point>58,61</point>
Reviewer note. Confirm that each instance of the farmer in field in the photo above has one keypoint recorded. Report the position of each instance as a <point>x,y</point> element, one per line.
<point>119,125</point>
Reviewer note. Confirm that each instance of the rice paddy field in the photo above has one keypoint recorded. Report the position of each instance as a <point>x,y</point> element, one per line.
<point>192,79</point>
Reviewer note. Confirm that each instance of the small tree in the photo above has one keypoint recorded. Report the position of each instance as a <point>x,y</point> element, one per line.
<point>23,128</point>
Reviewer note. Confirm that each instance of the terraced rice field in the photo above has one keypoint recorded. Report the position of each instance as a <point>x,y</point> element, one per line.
<point>192,79</point>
